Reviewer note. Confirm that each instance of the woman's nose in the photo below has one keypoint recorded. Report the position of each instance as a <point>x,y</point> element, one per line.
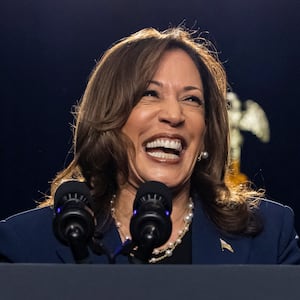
<point>171,112</point>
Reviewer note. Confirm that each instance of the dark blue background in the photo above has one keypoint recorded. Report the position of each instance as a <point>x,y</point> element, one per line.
<point>48,49</point>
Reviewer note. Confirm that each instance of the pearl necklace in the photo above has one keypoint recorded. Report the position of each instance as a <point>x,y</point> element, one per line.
<point>160,253</point>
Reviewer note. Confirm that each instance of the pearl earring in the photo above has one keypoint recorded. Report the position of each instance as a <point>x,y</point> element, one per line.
<point>202,155</point>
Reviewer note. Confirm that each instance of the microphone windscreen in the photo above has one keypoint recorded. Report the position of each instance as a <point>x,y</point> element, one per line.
<point>72,190</point>
<point>151,190</point>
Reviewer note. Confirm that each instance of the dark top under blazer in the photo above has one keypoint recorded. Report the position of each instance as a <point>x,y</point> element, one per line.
<point>28,238</point>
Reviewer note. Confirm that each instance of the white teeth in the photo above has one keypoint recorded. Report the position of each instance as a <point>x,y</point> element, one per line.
<point>163,155</point>
<point>164,143</point>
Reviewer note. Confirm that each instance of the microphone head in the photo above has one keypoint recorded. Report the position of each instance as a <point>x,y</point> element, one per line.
<point>153,191</point>
<point>72,190</point>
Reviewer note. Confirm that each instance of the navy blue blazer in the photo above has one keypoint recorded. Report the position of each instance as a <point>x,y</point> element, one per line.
<point>28,238</point>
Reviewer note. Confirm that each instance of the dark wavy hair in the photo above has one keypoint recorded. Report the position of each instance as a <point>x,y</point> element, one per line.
<point>115,86</point>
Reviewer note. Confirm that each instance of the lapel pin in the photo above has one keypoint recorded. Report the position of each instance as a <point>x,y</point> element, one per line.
<point>225,245</point>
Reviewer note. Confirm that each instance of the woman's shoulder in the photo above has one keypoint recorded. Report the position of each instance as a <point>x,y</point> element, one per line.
<point>267,203</point>
<point>275,216</point>
<point>32,216</point>
<point>278,236</point>
<point>27,225</point>
<point>274,211</point>
<point>28,237</point>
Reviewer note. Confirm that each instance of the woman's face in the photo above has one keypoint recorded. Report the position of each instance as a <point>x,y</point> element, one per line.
<point>167,126</point>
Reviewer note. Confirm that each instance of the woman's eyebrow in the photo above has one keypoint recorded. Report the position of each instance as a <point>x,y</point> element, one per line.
<point>156,83</point>
<point>190,88</point>
<point>186,88</point>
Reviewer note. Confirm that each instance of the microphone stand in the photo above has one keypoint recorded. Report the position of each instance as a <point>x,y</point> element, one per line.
<point>140,251</point>
<point>143,251</point>
<point>99,248</point>
<point>78,245</point>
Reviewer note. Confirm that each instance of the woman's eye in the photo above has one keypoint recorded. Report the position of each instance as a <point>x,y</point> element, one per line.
<point>150,93</point>
<point>194,99</point>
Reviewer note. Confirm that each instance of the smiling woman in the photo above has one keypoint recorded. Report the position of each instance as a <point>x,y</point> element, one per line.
<point>155,109</point>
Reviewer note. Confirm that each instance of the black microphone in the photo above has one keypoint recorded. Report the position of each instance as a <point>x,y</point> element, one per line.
<point>150,224</point>
<point>74,221</point>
